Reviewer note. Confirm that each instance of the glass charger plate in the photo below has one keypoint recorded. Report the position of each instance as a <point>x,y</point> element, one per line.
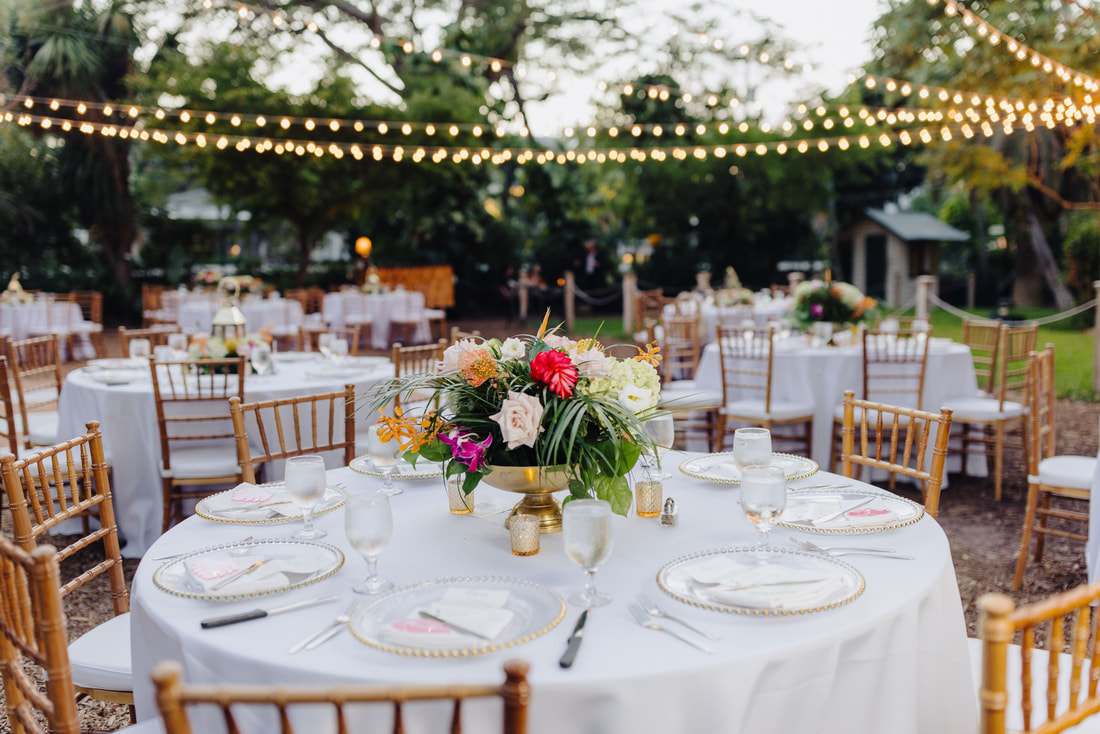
<point>877,511</point>
<point>720,467</point>
<point>536,609</point>
<point>824,583</point>
<point>295,356</point>
<point>315,561</point>
<point>403,470</point>
<point>118,377</point>
<point>250,513</point>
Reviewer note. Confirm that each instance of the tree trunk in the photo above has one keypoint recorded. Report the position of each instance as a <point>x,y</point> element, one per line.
<point>305,246</point>
<point>1045,257</point>
<point>1027,286</point>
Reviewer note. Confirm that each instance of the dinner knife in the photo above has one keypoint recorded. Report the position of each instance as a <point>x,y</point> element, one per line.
<point>238,574</point>
<point>261,613</point>
<point>574,642</point>
<point>452,625</point>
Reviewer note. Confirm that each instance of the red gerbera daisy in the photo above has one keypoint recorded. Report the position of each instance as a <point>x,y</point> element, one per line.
<point>556,371</point>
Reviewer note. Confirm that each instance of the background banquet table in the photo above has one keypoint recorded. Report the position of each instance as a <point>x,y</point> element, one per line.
<point>894,659</point>
<point>759,312</point>
<point>21,320</point>
<point>821,375</point>
<point>127,417</point>
<point>381,308</point>
<point>197,315</point>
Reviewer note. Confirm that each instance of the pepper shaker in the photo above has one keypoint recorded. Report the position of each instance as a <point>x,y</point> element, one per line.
<point>668,516</point>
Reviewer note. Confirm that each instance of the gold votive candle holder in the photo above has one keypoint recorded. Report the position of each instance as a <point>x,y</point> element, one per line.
<point>524,530</point>
<point>459,502</point>
<point>647,498</point>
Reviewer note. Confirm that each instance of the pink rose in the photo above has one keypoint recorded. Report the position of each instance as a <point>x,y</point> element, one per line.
<point>519,418</point>
<point>558,341</point>
<point>454,354</point>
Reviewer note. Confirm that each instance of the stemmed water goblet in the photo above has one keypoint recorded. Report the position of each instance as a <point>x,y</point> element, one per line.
<point>752,446</point>
<point>338,349</point>
<point>368,523</point>
<point>324,342</point>
<point>305,483</point>
<point>663,433</point>
<point>586,535</point>
<point>763,497</point>
<point>140,349</point>
<point>260,358</point>
<point>178,344</point>
<point>384,455</point>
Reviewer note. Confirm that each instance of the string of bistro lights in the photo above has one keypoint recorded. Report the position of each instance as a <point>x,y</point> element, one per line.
<point>1021,50</point>
<point>497,156</point>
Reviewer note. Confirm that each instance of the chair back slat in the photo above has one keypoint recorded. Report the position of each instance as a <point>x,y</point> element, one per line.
<point>35,366</point>
<point>418,360</point>
<point>309,337</point>
<point>895,439</point>
<point>894,366</point>
<point>746,357</point>
<point>267,423</point>
<point>1052,696</point>
<point>984,339</point>
<point>174,696</point>
<point>157,336</point>
<point>1017,342</point>
<point>32,630</point>
<point>680,346</point>
<point>60,483</point>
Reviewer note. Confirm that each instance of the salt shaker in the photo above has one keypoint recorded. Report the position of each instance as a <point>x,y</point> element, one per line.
<point>668,516</point>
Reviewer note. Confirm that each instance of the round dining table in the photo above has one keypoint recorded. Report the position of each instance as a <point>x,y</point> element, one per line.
<point>893,659</point>
<point>126,411</point>
<point>381,308</point>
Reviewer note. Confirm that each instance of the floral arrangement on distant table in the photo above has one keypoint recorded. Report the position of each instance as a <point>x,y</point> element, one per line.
<point>542,400</point>
<point>836,302</point>
<point>216,347</point>
<point>372,283</point>
<point>733,297</point>
<point>14,292</point>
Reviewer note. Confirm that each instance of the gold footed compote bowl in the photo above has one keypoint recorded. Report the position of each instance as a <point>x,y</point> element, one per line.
<point>537,484</point>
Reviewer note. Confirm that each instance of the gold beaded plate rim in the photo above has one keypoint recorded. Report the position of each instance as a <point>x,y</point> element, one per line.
<point>201,511</point>
<point>811,467</point>
<point>160,583</point>
<point>853,575</point>
<point>555,608</point>
<point>362,464</point>
<point>853,493</point>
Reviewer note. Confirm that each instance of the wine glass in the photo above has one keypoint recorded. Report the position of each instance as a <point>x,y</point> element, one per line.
<point>384,455</point>
<point>368,523</point>
<point>260,359</point>
<point>763,497</point>
<point>323,344</point>
<point>338,349</point>
<point>586,535</point>
<point>752,446</point>
<point>660,428</point>
<point>178,344</point>
<point>140,348</point>
<point>305,483</point>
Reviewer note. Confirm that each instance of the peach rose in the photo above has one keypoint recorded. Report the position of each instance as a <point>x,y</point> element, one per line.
<point>519,419</point>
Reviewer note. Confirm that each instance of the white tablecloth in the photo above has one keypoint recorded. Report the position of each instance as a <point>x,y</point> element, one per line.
<point>381,308</point>
<point>894,660</point>
<point>198,315</point>
<point>21,320</point>
<point>127,417</point>
<point>820,376</point>
<point>1092,547</point>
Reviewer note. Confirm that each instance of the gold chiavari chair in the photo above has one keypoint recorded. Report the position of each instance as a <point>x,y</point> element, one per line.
<point>174,696</point>
<point>35,365</point>
<point>458,334</point>
<point>197,444</point>
<point>423,359</point>
<point>59,483</point>
<point>1047,683</point>
<point>1049,475</point>
<point>984,340</point>
<point>895,439</point>
<point>694,411</point>
<point>157,336</point>
<point>309,337</point>
<point>308,424</point>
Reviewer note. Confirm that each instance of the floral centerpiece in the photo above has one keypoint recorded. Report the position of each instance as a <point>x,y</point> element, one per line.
<point>737,296</point>
<point>372,283</point>
<point>836,302</point>
<point>543,400</point>
<point>14,293</point>
<point>216,347</point>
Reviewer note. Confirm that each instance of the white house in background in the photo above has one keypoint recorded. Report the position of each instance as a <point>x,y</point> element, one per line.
<point>884,252</point>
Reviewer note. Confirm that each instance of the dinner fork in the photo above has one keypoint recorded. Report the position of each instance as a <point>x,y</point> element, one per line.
<point>319,638</point>
<point>876,552</point>
<point>651,608</point>
<point>642,617</point>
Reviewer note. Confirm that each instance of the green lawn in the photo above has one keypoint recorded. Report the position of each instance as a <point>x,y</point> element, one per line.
<point>1073,345</point>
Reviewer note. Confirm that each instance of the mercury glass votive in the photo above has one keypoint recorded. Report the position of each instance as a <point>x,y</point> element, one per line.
<point>525,534</point>
<point>647,498</point>
<point>459,502</point>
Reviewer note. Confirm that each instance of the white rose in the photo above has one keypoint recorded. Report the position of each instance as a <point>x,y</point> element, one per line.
<point>592,363</point>
<point>512,349</point>
<point>519,418</point>
<point>636,398</point>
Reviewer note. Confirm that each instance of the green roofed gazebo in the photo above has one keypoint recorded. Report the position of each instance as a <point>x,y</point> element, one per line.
<point>885,252</point>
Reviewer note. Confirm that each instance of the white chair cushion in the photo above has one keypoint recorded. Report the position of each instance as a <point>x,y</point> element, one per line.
<point>204,462</point>
<point>779,410</point>
<point>983,409</point>
<point>1071,472</point>
<point>42,428</point>
<point>101,656</point>
<point>149,726</point>
<point>1014,715</point>
<point>41,395</point>
<point>435,313</point>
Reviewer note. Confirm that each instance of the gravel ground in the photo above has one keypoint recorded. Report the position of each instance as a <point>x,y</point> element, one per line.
<point>984,537</point>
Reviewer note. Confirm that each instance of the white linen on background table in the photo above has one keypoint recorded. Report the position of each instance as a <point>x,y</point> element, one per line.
<point>380,307</point>
<point>127,417</point>
<point>1092,546</point>
<point>894,660</point>
<point>36,317</point>
<point>820,376</point>
<point>198,315</point>
<point>762,313</point>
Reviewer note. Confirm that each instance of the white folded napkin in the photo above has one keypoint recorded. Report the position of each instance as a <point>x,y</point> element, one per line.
<point>480,611</point>
<point>726,572</point>
<point>425,634</point>
<point>873,513</point>
<point>244,502</point>
<point>209,570</point>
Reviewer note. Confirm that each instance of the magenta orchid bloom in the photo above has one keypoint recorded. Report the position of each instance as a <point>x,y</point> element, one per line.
<point>817,309</point>
<point>465,449</point>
